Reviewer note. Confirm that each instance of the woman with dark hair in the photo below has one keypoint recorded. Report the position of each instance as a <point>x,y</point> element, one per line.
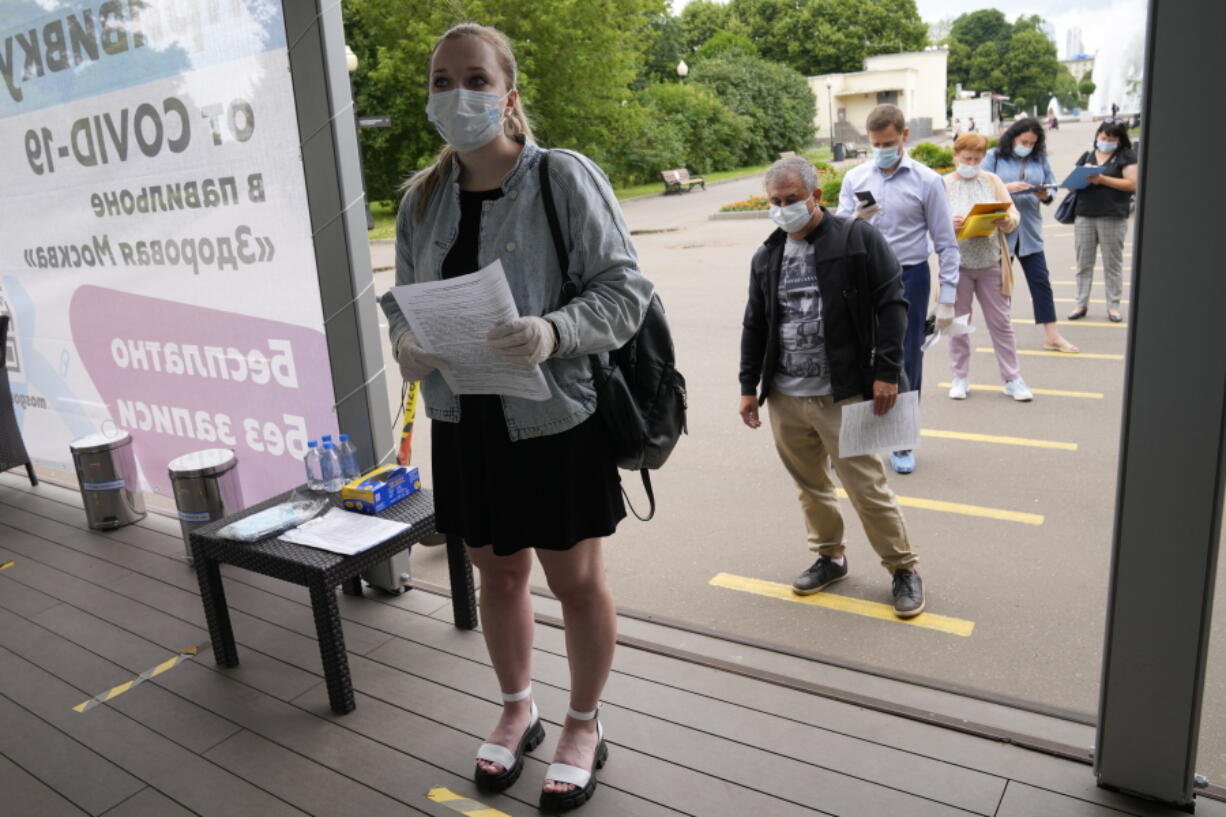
<point>1020,160</point>
<point>1102,216</point>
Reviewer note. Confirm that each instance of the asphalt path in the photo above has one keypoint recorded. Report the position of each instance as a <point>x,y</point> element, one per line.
<point>1027,565</point>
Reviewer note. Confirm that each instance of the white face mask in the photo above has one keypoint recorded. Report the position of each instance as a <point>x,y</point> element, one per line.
<point>466,119</point>
<point>968,171</point>
<point>792,218</point>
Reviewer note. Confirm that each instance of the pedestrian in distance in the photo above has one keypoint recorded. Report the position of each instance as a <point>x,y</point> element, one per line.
<point>909,208</point>
<point>1102,217</point>
<point>970,125</point>
<point>986,274</point>
<point>1020,160</point>
<point>515,476</point>
<point>813,342</point>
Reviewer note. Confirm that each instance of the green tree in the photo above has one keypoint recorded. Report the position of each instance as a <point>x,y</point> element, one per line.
<point>775,99</point>
<point>1031,69</point>
<point>826,36</point>
<point>556,42</point>
<point>713,136</point>
<point>667,48</point>
<point>979,27</point>
<point>1087,87</point>
<point>724,44</point>
<point>987,69</point>
<point>703,19</point>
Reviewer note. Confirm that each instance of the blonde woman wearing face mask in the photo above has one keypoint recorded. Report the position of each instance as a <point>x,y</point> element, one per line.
<point>986,273</point>
<point>513,476</point>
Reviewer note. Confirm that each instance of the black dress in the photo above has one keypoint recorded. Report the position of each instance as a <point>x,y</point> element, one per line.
<point>549,492</point>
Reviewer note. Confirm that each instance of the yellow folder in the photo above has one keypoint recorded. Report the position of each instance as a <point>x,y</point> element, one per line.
<point>979,220</point>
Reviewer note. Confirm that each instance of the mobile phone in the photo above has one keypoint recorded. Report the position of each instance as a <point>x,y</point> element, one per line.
<point>866,198</point>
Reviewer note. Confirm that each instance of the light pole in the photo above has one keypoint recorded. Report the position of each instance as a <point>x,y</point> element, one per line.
<point>683,70</point>
<point>351,65</point>
<point>830,112</point>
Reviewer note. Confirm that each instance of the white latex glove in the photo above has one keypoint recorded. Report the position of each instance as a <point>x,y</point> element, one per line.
<point>866,211</point>
<point>523,341</point>
<point>415,362</point>
<point>945,316</point>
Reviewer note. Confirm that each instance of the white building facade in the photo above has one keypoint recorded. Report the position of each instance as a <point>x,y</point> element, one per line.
<point>915,81</point>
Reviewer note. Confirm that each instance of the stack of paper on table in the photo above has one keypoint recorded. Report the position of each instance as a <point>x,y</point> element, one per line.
<point>980,220</point>
<point>344,532</point>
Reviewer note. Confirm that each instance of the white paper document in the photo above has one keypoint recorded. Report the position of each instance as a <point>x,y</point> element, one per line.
<point>451,319</point>
<point>865,433</point>
<point>960,326</point>
<point>344,532</point>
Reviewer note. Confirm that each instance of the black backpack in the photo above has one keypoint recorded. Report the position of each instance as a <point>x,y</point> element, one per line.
<point>640,395</point>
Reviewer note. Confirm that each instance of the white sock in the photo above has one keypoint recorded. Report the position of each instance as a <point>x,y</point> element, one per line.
<point>841,561</point>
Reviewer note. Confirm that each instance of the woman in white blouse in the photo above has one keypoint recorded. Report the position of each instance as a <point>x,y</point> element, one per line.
<point>986,273</point>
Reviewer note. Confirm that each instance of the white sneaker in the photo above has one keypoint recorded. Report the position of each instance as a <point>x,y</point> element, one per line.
<point>958,389</point>
<point>1018,391</point>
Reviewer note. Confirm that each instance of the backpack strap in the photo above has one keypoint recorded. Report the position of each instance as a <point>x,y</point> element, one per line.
<point>569,291</point>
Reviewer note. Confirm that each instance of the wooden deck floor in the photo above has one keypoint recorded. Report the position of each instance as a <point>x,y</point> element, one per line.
<point>82,612</point>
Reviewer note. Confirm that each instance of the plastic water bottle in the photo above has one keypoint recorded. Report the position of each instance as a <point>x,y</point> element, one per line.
<point>314,476</point>
<point>348,453</point>
<point>330,469</point>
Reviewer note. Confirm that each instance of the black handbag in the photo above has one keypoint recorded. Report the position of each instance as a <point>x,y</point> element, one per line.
<point>640,395</point>
<point>1066,210</point>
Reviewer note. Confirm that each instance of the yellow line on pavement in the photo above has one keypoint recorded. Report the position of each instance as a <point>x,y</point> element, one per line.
<point>964,510</point>
<point>844,604</point>
<point>115,692</point>
<point>1092,300</point>
<point>1073,283</point>
<point>462,804</point>
<point>1086,395</point>
<point>1082,322</point>
<point>7,565</point>
<point>999,440</point>
<point>1045,353</point>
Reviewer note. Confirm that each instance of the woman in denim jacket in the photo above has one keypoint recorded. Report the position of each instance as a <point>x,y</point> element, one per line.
<point>514,475</point>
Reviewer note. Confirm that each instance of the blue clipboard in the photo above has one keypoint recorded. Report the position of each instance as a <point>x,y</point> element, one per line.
<point>1079,178</point>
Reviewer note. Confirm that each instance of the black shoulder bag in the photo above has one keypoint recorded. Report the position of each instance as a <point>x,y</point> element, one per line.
<point>1066,210</point>
<point>640,395</point>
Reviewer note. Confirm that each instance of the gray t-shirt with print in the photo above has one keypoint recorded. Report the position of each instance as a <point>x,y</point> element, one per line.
<point>803,370</point>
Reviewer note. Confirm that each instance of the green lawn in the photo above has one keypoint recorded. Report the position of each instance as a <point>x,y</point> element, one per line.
<point>385,214</point>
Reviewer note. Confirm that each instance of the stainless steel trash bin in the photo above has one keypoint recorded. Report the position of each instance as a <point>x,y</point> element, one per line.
<point>110,486</point>
<point>206,488</point>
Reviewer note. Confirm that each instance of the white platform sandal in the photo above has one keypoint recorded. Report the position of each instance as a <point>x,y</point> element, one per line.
<point>583,780</point>
<point>512,762</point>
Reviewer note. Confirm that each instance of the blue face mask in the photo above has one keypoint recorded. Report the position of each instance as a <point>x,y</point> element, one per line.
<point>1021,151</point>
<point>886,157</point>
<point>1106,147</point>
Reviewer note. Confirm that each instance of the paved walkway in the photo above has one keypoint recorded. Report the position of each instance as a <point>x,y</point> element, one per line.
<point>691,733</point>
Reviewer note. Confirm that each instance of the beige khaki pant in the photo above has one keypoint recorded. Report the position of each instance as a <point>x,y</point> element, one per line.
<point>806,433</point>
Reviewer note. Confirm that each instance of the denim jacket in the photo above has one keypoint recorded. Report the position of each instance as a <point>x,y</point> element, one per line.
<point>613,293</point>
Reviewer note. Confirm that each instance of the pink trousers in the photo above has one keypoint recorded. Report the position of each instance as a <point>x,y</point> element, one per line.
<point>984,284</point>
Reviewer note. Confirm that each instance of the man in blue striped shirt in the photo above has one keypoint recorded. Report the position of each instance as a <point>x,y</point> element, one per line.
<point>910,209</point>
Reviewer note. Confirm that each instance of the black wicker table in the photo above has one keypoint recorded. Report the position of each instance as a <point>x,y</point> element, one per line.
<point>321,572</point>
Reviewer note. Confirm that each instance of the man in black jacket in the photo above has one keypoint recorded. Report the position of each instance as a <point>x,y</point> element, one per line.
<point>823,328</point>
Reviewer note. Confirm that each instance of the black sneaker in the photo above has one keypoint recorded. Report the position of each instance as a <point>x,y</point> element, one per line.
<point>823,572</point>
<point>908,594</point>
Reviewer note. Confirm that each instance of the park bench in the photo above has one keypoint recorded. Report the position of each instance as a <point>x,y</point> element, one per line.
<point>680,179</point>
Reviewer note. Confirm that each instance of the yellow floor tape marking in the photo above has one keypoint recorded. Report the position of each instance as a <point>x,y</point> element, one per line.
<point>1086,395</point>
<point>1092,300</point>
<point>942,506</point>
<point>7,565</point>
<point>1110,324</point>
<point>115,692</point>
<point>1045,353</point>
<point>993,438</point>
<point>1096,269</point>
<point>462,804</point>
<point>844,604</point>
